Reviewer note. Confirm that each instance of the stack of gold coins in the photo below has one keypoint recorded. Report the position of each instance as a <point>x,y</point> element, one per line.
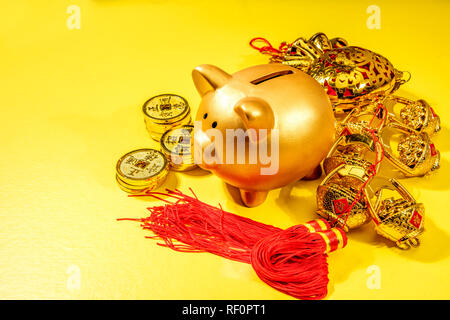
<point>164,112</point>
<point>143,169</point>
<point>177,146</point>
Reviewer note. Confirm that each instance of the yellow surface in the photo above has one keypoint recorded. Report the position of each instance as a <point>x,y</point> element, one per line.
<point>70,107</point>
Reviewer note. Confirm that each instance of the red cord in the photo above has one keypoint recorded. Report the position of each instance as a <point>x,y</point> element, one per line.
<point>268,48</point>
<point>291,261</point>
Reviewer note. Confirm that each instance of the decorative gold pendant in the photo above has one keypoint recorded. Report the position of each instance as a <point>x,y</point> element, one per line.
<point>397,219</point>
<point>416,115</point>
<point>400,220</point>
<point>338,191</point>
<point>350,148</point>
<point>410,152</point>
<point>352,76</point>
<point>346,196</point>
<point>415,155</point>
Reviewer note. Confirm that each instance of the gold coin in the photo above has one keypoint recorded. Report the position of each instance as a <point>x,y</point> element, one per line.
<point>166,108</point>
<point>126,187</point>
<point>156,130</point>
<point>143,167</point>
<point>177,145</point>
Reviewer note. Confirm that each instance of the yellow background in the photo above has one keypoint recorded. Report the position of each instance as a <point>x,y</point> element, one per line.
<point>71,106</point>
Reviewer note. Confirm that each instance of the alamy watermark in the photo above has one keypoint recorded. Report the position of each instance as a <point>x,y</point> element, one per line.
<point>374,280</point>
<point>73,282</point>
<point>238,146</point>
<point>374,20</point>
<point>74,20</point>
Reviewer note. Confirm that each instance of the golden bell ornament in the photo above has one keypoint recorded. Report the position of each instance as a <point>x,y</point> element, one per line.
<point>287,119</point>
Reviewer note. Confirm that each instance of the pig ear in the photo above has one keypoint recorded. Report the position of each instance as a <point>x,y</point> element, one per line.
<point>255,114</point>
<point>208,78</point>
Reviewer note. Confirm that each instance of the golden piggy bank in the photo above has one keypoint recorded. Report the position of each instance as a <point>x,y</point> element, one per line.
<point>261,128</point>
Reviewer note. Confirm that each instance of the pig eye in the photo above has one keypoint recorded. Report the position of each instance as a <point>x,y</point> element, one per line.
<point>214,124</point>
<point>205,116</point>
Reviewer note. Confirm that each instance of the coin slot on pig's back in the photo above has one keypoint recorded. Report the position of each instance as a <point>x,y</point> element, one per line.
<point>271,76</point>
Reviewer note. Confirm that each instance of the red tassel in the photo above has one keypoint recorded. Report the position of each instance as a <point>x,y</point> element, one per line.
<point>292,261</point>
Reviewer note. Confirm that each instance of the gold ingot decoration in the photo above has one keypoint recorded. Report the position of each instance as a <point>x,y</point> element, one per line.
<point>415,156</point>
<point>416,115</point>
<point>177,144</point>
<point>410,152</point>
<point>358,121</point>
<point>338,191</point>
<point>164,112</point>
<point>400,220</point>
<point>129,188</point>
<point>351,148</point>
<point>141,170</point>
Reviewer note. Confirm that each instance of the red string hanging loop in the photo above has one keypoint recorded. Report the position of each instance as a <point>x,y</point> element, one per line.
<point>267,47</point>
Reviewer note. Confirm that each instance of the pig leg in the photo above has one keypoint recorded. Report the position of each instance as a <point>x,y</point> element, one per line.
<point>253,198</point>
<point>313,175</point>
